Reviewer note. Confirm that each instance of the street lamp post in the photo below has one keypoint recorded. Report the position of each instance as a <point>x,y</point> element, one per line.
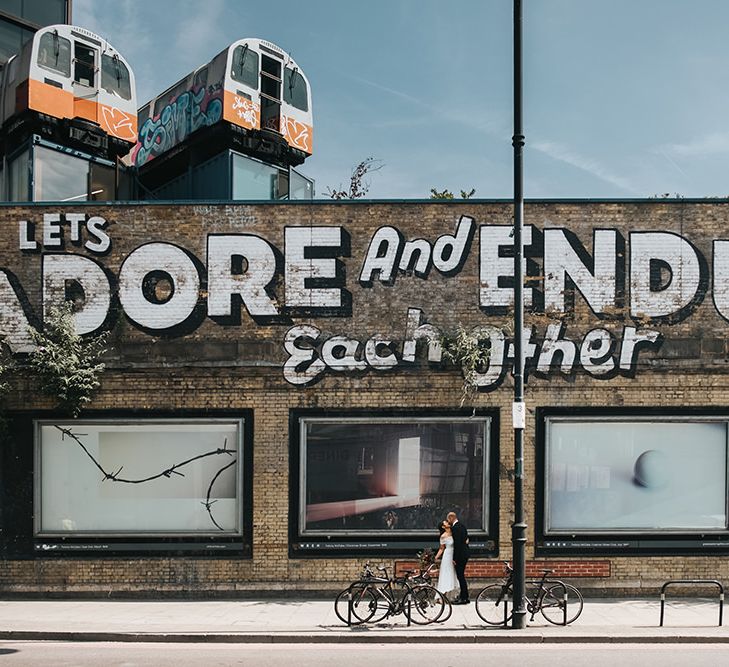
<point>518,529</point>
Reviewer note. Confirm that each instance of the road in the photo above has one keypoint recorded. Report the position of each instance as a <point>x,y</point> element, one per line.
<point>83,654</point>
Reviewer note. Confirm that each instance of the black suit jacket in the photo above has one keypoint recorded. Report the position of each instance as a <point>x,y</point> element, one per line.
<point>460,543</point>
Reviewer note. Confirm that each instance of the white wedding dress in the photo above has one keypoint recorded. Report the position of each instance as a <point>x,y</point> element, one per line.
<point>447,580</point>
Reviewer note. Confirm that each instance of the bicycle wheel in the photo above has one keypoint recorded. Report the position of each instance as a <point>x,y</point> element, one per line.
<point>447,611</point>
<point>364,605</point>
<point>424,604</point>
<point>493,604</point>
<point>552,605</point>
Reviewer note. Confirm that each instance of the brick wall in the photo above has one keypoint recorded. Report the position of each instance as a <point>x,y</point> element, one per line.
<point>235,365</point>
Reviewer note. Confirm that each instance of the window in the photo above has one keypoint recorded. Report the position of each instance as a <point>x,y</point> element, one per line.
<point>46,12</point>
<point>18,177</point>
<point>84,71</point>
<point>635,475</point>
<point>295,89</point>
<point>300,187</point>
<point>364,476</point>
<point>120,477</point>
<point>12,38</point>
<point>58,176</point>
<point>244,67</point>
<point>253,180</point>
<point>115,77</point>
<point>54,53</point>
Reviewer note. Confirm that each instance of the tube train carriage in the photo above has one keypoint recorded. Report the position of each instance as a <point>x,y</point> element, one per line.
<point>69,86</point>
<point>252,97</point>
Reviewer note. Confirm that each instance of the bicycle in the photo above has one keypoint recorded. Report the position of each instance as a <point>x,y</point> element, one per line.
<point>373,598</point>
<point>559,603</point>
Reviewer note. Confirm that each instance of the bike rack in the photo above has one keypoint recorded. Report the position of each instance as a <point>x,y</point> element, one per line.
<point>697,582</point>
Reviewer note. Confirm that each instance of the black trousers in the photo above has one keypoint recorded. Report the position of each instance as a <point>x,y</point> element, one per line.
<point>461,574</point>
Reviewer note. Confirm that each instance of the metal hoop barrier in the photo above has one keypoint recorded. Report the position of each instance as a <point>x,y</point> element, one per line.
<point>696,582</point>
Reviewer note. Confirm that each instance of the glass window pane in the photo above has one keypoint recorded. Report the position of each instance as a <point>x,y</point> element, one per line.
<point>295,89</point>
<point>84,71</point>
<point>18,177</point>
<point>254,180</point>
<point>12,7</point>
<point>636,476</point>
<point>139,494</point>
<point>103,182</point>
<point>11,39</point>
<point>115,77</point>
<point>47,12</point>
<point>300,186</point>
<point>59,177</point>
<point>404,476</point>
<point>244,68</point>
<point>54,53</point>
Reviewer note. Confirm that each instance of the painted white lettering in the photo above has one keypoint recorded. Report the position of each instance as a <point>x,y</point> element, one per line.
<point>14,324</point>
<point>554,345</point>
<point>26,236</point>
<point>373,348</point>
<point>303,366</point>
<point>492,375</point>
<point>340,354</point>
<point>182,273</point>
<point>633,339</point>
<point>52,230</point>
<point>492,266</point>
<point>414,331</point>
<point>449,250</point>
<point>564,257</point>
<point>59,270</point>
<point>595,352</point>
<point>381,257</point>
<point>95,226</point>
<point>302,267</point>
<point>250,285</point>
<point>651,255</point>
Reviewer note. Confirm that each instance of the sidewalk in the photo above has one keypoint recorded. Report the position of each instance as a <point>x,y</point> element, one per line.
<point>294,621</point>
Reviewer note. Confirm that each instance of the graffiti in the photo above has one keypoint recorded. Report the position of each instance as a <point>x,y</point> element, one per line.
<point>247,111</point>
<point>184,115</point>
<point>119,124</point>
<point>297,134</point>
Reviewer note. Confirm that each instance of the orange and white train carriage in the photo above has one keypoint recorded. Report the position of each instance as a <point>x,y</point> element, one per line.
<point>70,85</point>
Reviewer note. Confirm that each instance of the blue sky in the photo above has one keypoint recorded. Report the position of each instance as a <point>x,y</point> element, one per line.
<point>626,98</point>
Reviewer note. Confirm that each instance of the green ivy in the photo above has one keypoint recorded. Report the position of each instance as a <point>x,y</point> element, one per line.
<point>67,365</point>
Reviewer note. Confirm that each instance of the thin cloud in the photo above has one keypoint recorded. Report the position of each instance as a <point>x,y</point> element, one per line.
<point>710,144</point>
<point>589,165</point>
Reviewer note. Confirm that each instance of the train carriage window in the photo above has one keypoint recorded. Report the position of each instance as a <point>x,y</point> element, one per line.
<point>244,68</point>
<point>115,77</point>
<point>84,71</point>
<point>54,53</point>
<point>295,89</point>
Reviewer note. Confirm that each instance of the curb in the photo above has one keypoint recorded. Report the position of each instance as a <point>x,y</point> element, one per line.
<point>348,638</point>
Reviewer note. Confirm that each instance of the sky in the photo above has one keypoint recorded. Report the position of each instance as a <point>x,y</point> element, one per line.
<point>622,98</point>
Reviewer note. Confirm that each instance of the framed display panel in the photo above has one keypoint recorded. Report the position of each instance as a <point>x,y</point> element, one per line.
<point>125,483</point>
<point>632,481</point>
<point>382,483</point>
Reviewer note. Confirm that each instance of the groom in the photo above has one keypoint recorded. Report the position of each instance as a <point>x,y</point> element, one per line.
<point>460,555</point>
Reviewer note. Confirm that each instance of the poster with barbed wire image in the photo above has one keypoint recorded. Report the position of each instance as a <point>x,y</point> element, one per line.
<point>164,477</point>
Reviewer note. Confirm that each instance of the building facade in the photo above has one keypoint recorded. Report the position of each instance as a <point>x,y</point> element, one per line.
<point>281,400</point>
<point>19,19</point>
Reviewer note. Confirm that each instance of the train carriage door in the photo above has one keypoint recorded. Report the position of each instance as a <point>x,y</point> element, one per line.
<point>270,93</point>
<point>85,89</point>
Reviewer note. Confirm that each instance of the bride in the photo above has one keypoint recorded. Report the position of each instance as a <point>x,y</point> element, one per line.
<point>447,580</point>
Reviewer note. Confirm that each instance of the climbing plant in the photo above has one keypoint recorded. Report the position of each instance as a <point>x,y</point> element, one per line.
<point>67,365</point>
<point>470,352</point>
